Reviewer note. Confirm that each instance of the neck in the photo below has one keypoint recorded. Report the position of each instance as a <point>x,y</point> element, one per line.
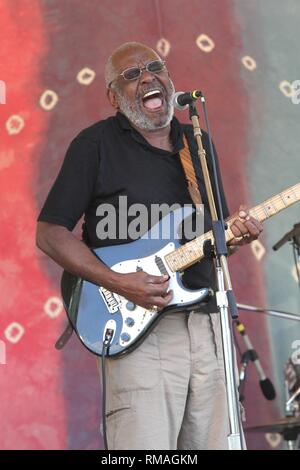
<point>159,138</point>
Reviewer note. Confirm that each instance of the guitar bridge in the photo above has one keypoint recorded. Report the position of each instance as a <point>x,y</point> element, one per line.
<point>110,300</point>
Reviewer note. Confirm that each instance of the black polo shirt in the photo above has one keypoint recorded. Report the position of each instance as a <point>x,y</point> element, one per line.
<point>111,159</point>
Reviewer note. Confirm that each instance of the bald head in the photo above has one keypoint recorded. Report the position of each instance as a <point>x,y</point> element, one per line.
<point>113,64</point>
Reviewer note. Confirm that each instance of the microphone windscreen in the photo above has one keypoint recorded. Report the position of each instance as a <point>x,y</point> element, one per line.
<point>268,389</point>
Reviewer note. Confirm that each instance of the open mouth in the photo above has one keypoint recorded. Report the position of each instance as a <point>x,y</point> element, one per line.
<point>153,100</point>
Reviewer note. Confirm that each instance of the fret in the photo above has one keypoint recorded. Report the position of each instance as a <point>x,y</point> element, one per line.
<point>280,205</point>
<point>184,254</point>
<point>294,194</point>
<point>253,212</point>
<point>265,210</point>
<point>288,197</point>
<point>272,202</point>
<point>282,198</point>
<point>190,255</point>
<point>172,261</point>
<point>180,256</point>
<point>270,209</point>
<point>197,247</point>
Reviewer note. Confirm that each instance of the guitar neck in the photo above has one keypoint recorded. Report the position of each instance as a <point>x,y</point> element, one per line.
<point>192,252</point>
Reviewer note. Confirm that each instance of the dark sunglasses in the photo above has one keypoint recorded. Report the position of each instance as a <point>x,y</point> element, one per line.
<point>133,73</point>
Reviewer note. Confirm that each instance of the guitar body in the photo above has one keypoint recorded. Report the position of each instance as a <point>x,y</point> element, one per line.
<point>92,309</point>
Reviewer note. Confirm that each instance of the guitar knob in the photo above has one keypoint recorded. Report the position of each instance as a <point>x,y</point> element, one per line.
<point>129,321</point>
<point>125,337</point>
<point>130,306</point>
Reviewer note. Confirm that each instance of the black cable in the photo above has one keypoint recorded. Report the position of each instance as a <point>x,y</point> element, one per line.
<point>296,253</point>
<point>106,343</point>
<point>215,179</point>
<point>236,392</point>
<point>104,352</point>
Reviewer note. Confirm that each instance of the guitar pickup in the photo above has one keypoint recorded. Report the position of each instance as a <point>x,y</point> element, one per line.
<point>111,300</point>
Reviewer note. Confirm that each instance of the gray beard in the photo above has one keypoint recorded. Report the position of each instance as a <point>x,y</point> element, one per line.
<point>135,114</point>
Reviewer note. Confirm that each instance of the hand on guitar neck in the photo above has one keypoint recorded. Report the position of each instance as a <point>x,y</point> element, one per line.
<point>245,228</point>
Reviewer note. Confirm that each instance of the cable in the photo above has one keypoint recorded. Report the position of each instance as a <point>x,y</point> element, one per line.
<point>236,392</point>
<point>296,253</point>
<point>242,382</point>
<point>109,333</point>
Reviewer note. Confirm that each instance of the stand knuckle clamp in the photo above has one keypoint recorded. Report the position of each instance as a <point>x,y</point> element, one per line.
<point>222,300</point>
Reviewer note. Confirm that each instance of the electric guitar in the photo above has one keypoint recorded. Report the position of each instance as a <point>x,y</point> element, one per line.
<point>93,310</point>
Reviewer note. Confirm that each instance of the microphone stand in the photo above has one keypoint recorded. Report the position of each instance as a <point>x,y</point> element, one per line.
<point>245,359</point>
<point>274,313</point>
<point>291,436</point>
<point>292,236</point>
<point>224,296</point>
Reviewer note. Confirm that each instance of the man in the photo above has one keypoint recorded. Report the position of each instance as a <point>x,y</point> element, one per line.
<point>169,393</point>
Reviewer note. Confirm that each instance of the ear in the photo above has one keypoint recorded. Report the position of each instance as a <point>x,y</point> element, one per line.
<point>113,98</point>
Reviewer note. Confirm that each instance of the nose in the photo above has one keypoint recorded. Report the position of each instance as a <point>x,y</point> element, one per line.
<point>146,77</point>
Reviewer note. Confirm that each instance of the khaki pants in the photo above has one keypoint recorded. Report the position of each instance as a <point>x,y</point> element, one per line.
<point>170,393</point>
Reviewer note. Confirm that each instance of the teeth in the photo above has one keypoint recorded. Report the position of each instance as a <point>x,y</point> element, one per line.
<point>153,92</point>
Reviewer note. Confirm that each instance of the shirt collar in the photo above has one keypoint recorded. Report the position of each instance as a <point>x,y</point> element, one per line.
<point>176,131</point>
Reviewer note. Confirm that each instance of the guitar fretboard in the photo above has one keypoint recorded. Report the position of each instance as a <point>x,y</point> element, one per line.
<point>191,252</point>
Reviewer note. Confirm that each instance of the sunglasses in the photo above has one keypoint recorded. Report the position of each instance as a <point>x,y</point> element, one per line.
<point>133,73</point>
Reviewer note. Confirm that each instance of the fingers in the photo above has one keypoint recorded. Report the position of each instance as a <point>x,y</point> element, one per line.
<point>146,290</point>
<point>253,227</point>
<point>238,228</point>
<point>158,289</point>
<point>161,302</point>
<point>243,211</point>
<point>245,228</point>
<point>157,285</point>
<point>157,279</point>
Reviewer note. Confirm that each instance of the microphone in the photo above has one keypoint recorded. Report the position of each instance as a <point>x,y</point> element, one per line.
<point>183,99</point>
<point>266,385</point>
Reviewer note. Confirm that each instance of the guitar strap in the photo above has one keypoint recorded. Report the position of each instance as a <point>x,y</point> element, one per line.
<point>189,171</point>
<point>76,285</point>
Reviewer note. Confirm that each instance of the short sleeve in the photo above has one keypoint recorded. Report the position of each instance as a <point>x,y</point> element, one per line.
<point>74,186</point>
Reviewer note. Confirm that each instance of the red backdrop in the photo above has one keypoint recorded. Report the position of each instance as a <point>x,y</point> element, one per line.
<point>50,399</point>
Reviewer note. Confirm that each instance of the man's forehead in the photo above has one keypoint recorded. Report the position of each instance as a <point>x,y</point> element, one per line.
<point>133,56</point>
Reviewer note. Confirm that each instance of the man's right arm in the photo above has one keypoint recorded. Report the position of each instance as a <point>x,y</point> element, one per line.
<point>74,256</point>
